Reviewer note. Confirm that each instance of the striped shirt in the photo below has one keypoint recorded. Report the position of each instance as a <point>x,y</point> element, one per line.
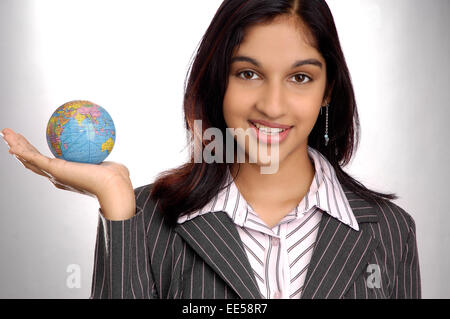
<point>280,256</point>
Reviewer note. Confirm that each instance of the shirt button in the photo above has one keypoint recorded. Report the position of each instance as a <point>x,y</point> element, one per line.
<point>275,241</point>
<point>276,295</point>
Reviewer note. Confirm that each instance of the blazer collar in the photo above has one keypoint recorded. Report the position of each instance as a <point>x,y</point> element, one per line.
<point>340,254</point>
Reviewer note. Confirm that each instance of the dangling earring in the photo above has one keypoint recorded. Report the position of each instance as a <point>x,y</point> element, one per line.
<point>326,125</point>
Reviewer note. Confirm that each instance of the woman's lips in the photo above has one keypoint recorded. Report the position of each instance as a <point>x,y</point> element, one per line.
<point>272,138</point>
<point>270,124</point>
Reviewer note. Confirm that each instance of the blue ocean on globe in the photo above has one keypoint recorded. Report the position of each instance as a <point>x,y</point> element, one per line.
<point>81,131</point>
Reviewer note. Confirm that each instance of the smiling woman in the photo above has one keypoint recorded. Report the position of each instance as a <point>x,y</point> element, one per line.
<point>222,229</point>
<point>309,230</point>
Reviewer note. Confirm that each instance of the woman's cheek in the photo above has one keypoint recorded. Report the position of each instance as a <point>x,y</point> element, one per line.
<point>306,119</point>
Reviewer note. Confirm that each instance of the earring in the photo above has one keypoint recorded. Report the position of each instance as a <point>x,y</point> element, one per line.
<point>326,125</point>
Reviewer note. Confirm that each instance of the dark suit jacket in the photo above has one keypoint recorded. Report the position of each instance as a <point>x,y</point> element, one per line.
<point>204,257</point>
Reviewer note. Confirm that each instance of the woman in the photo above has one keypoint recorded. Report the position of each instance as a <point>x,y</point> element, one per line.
<point>224,229</point>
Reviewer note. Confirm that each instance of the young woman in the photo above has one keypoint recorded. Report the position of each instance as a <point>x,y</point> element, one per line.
<point>223,229</point>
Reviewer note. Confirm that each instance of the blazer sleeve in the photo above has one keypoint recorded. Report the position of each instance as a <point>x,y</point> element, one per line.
<point>121,264</point>
<point>408,281</point>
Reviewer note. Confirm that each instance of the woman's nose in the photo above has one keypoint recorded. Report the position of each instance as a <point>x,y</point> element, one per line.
<point>271,101</point>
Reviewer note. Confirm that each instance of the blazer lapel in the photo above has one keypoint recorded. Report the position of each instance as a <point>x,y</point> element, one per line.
<point>214,237</point>
<point>341,253</point>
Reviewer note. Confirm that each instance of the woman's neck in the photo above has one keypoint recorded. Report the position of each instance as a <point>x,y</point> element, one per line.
<point>281,190</point>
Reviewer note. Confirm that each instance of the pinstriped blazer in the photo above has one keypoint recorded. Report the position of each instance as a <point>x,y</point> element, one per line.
<point>143,257</point>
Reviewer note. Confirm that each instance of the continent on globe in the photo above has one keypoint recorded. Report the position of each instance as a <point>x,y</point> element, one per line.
<point>81,131</point>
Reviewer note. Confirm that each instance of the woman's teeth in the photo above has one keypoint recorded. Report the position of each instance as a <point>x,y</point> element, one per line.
<point>268,130</point>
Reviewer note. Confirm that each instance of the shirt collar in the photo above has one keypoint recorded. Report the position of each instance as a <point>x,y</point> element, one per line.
<point>325,193</point>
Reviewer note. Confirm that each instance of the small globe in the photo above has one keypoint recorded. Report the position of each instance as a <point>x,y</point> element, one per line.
<point>81,131</point>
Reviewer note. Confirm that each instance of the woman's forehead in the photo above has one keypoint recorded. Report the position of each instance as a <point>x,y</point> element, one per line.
<point>280,39</point>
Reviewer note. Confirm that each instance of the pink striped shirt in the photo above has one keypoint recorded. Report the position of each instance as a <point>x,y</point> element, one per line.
<point>280,256</point>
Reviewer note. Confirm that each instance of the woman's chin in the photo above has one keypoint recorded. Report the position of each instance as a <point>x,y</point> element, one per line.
<point>268,162</point>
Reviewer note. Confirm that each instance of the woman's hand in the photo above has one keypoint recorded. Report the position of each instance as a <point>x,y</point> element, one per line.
<point>109,182</point>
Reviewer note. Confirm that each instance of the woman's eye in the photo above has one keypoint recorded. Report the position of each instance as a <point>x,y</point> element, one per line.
<point>245,74</point>
<point>302,77</point>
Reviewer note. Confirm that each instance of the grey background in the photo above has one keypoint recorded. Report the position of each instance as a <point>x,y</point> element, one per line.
<point>131,57</point>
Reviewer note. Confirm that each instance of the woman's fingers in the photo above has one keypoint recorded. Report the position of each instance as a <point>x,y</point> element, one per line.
<point>51,178</point>
<point>45,174</point>
<point>31,167</point>
<point>20,147</point>
<point>32,159</point>
<point>19,143</point>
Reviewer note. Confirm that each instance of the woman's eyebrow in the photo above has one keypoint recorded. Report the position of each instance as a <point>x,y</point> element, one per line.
<point>294,65</point>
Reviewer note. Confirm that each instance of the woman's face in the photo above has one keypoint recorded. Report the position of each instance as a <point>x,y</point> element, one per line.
<point>266,84</point>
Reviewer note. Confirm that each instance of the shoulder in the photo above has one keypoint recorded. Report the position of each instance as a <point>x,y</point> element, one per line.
<point>388,214</point>
<point>395,228</point>
<point>393,215</point>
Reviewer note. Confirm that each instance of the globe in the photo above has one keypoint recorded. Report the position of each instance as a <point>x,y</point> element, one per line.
<point>81,131</point>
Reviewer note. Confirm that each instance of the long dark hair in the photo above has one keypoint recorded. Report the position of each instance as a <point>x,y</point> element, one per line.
<point>192,185</point>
